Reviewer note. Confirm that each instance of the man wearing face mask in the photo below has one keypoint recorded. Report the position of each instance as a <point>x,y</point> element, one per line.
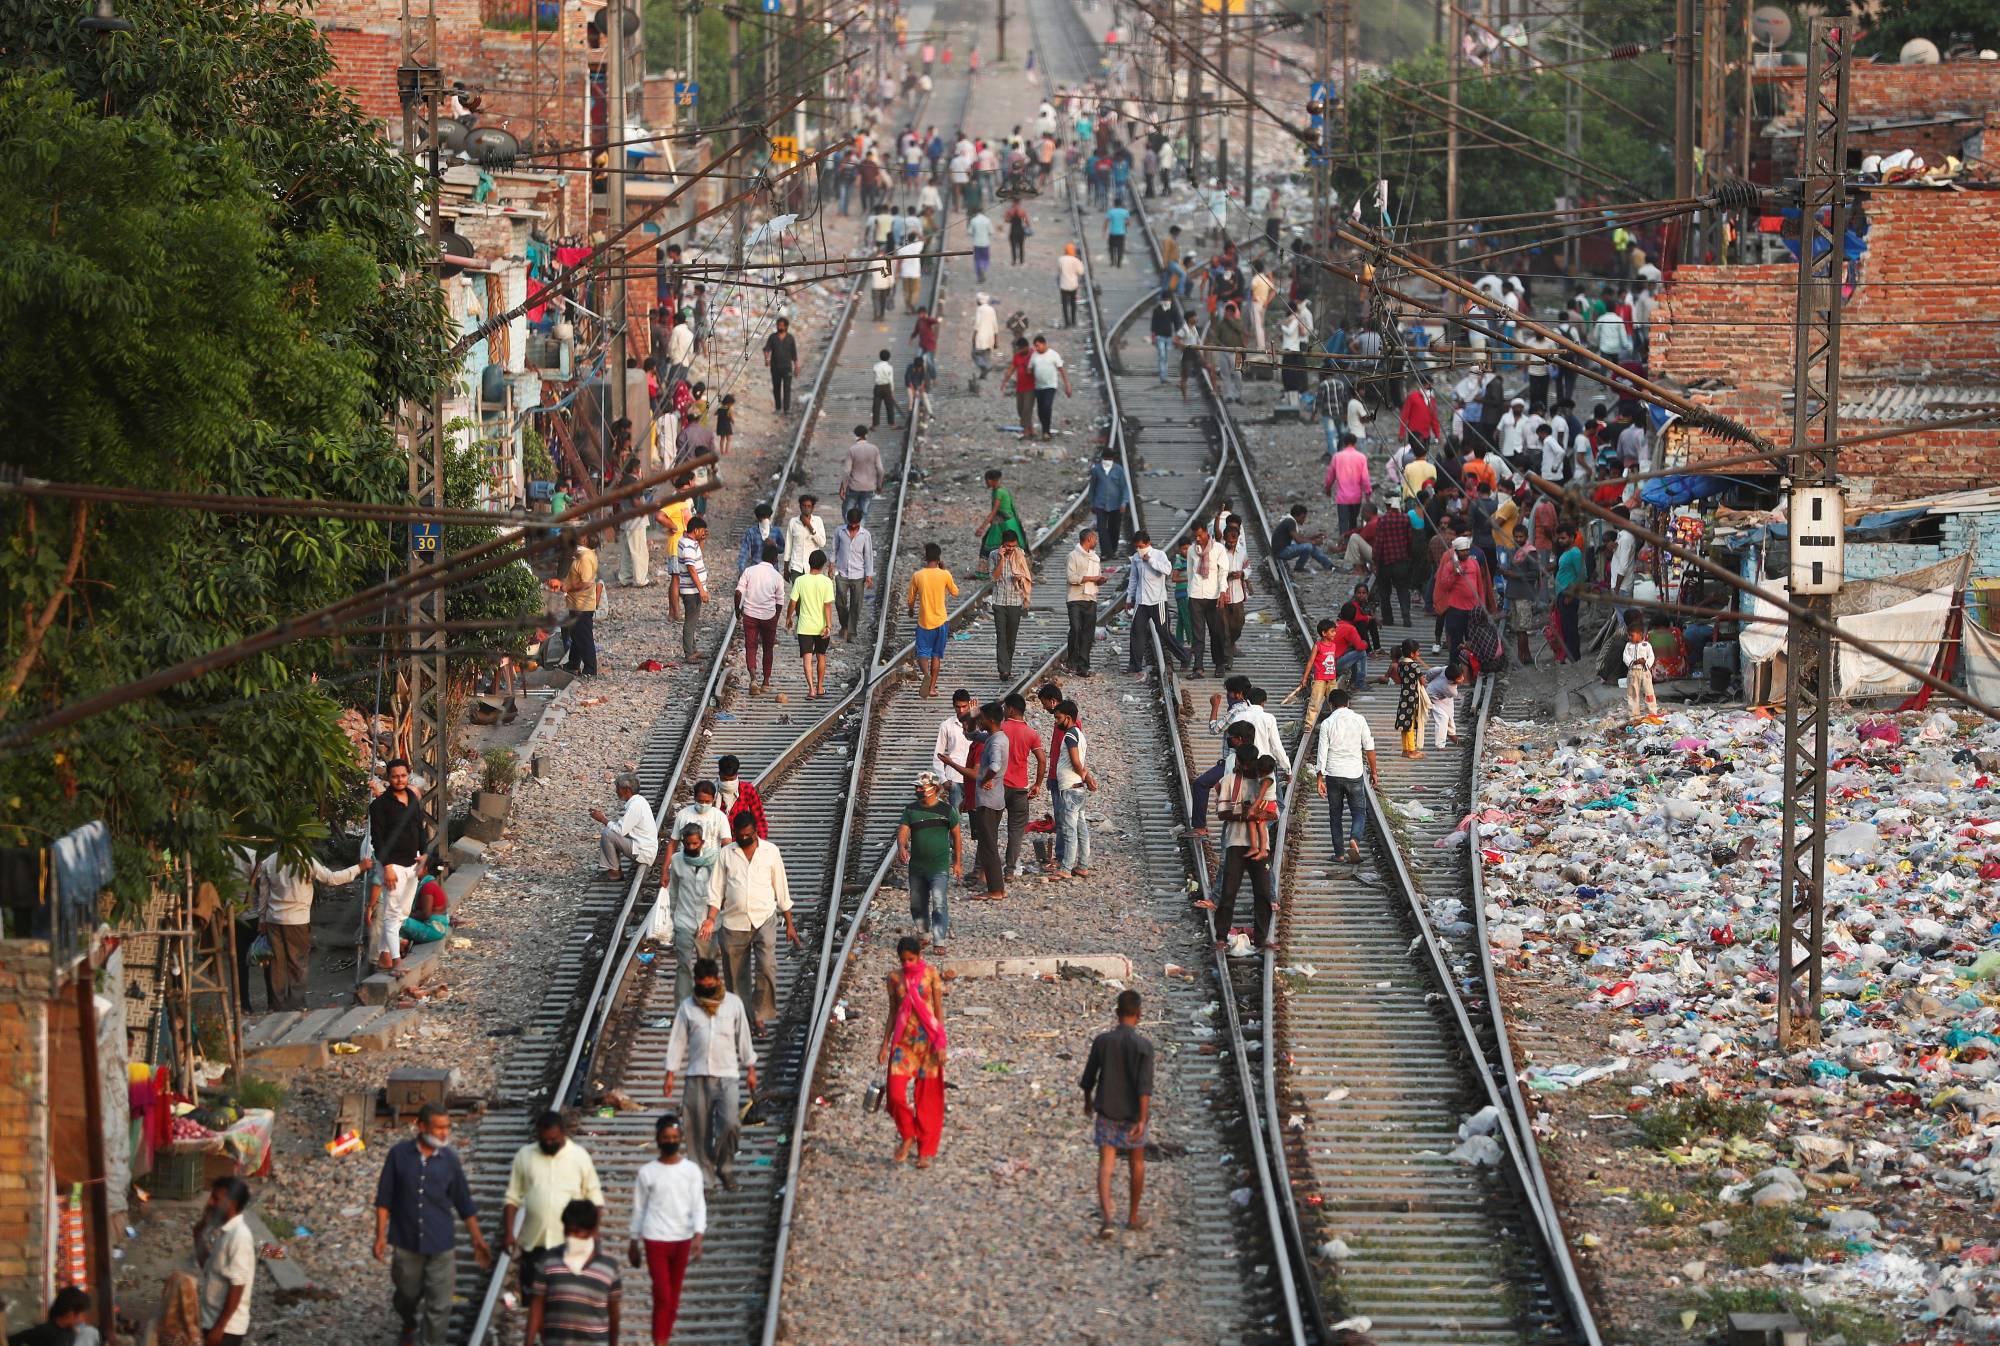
<point>710,1045</point>
<point>576,1296</point>
<point>694,883</point>
<point>548,1177</point>
<point>421,1189</point>
<point>669,1216</point>
<point>738,797</point>
<point>753,894</point>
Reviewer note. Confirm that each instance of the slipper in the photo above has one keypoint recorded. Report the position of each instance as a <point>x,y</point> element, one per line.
<point>1204,904</point>
<point>1106,1230</point>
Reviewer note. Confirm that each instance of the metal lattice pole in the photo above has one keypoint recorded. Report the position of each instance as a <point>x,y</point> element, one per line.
<point>420,84</point>
<point>1816,525</point>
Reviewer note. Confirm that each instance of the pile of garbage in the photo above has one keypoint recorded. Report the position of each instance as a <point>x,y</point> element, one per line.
<point>1641,868</point>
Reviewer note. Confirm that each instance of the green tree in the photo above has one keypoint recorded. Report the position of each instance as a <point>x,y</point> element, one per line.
<point>1948,23</point>
<point>210,256</point>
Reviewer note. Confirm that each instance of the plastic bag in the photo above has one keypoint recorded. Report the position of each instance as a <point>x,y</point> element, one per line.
<point>260,950</point>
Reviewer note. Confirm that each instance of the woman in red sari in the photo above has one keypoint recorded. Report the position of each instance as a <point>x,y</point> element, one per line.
<point>913,1049</point>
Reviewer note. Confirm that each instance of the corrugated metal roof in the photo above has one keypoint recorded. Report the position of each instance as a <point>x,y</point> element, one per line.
<point>1910,403</point>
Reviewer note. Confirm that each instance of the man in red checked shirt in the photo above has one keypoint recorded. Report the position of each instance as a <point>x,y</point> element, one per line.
<point>1395,563</point>
<point>737,796</point>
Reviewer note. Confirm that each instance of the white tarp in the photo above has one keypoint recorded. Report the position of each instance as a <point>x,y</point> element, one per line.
<point>1981,661</point>
<point>1905,615</point>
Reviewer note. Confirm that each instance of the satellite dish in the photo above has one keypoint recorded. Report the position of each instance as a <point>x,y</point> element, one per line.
<point>455,249</point>
<point>1919,51</point>
<point>1771,26</point>
<point>600,26</point>
<point>491,147</point>
<point>452,132</point>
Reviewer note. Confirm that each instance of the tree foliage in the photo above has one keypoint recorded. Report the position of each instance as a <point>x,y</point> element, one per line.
<point>1890,23</point>
<point>209,261</point>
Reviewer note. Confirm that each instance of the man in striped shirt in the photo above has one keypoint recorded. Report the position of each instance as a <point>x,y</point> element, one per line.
<point>577,1291</point>
<point>692,577</point>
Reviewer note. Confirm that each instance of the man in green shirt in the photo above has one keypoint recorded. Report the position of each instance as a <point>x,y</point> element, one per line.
<point>927,843</point>
<point>810,614</point>
<point>1569,592</point>
<point>1000,518</point>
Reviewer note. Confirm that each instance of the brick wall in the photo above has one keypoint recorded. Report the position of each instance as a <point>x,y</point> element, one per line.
<point>24,991</point>
<point>1725,333</point>
<point>1874,91</point>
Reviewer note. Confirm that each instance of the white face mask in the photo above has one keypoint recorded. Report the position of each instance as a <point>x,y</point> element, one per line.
<point>578,1251</point>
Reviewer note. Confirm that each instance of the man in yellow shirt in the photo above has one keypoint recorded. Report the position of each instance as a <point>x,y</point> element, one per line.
<point>929,588</point>
<point>1419,473</point>
<point>810,614</point>
<point>580,584</point>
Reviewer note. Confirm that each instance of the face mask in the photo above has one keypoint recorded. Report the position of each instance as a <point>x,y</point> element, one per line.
<point>669,1148</point>
<point>577,1251</point>
<point>553,1146</point>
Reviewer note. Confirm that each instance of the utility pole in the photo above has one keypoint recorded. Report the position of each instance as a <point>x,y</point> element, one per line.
<point>1222,114</point>
<point>1713,118</point>
<point>1573,144</point>
<point>1250,109</point>
<point>1749,127</point>
<point>1322,151</point>
<point>420,85</point>
<point>1000,28</point>
<point>1684,37</point>
<point>614,196</point>
<point>1455,61</point>
<point>1817,529</point>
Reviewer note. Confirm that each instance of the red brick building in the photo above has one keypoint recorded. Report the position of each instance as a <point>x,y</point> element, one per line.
<point>1932,109</point>
<point>1920,340</point>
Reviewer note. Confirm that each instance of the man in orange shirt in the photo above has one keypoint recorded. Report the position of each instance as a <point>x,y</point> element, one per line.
<point>929,587</point>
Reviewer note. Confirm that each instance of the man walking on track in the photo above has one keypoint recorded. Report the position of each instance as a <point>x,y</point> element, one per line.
<point>754,894</point>
<point>1046,364</point>
<point>990,803</point>
<point>929,587</point>
<point>669,1217</point>
<point>1208,576</point>
<point>760,592</point>
<point>548,1174</point>
<point>711,1043</point>
<point>781,357</point>
<point>1110,496</point>
<point>1084,572</point>
<point>1118,1094</point>
<point>421,1189</point>
<point>1345,750</point>
<point>692,577</point>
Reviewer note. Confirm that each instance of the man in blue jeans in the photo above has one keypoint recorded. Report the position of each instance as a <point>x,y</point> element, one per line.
<point>1162,325</point>
<point>1345,750</point>
<point>928,845</point>
<point>1288,544</point>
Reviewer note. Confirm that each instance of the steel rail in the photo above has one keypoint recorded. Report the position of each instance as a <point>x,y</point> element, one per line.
<point>1524,1167</point>
<point>1305,1319</point>
<point>872,679</point>
<point>623,943</point>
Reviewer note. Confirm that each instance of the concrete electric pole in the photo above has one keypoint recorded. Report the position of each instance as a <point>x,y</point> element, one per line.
<point>1818,523</point>
<point>614,197</point>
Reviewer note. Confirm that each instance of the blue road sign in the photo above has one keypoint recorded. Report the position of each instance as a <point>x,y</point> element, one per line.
<point>427,538</point>
<point>771,7</point>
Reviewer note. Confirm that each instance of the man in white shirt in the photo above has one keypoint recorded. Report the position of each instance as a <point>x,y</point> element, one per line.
<point>710,1044</point>
<point>1208,576</point>
<point>691,580</point>
<point>1554,455</point>
<point>1513,430</point>
<point>1147,588</point>
<point>1237,593</point>
<point>754,894</point>
<point>985,331</point>
<point>228,1254</point>
<point>1345,749</point>
<point>952,757</point>
<point>669,1217</point>
<point>635,834</point>
<point>1049,371</point>
<point>1083,571</point>
<point>284,899</point>
<point>760,592</point>
<point>884,374</point>
<point>804,535</point>
<point>1609,337</point>
<point>979,236</point>
<point>860,474</point>
<point>910,270</point>
<point>882,286</point>
<point>1069,279</point>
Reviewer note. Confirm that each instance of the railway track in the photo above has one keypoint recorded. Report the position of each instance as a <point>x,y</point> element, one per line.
<point>1173,476</point>
<point>607,1012</point>
<point>1379,1057</point>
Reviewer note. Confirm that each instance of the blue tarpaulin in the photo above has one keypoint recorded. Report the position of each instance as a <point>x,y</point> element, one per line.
<point>1666,492</point>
